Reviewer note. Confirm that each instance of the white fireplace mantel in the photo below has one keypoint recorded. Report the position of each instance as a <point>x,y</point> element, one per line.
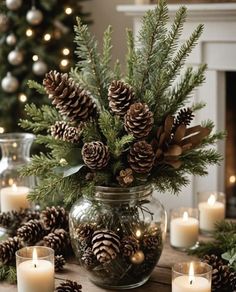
<point>217,48</point>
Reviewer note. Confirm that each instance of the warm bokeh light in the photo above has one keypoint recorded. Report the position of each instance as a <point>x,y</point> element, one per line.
<point>47,37</point>
<point>22,97</point>
<point>35,58</point>
<point>232,179</point>
<point>2,130</point>
<point>65,51</point>
<point>64,62</point>
<point>68,10</point>
<point>29,32</point>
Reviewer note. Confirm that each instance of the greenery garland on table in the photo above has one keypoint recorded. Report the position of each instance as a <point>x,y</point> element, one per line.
<point>112,129</point>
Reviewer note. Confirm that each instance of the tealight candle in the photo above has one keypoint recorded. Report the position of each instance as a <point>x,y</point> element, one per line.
<point>191,277</point>
<point>35,269</point>
<point>212,209</point>
<point>184,226</point>
<point>14,198</point>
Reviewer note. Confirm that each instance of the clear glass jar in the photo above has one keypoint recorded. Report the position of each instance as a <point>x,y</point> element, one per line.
<point>118,235</point>
<point>15,149</point>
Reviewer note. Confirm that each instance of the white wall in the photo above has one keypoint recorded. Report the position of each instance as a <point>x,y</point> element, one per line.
<point>103,13</point>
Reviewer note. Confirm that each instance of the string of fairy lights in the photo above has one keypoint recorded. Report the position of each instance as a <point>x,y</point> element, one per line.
<point>34,17</point>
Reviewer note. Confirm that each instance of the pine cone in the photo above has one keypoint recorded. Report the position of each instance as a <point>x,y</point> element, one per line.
<point>55,217</point>
<point>59,263</point>
<point>69,98</point>
<point>85,231</point>
<point>223,278</point>
<point>120,96</point>
<point>31,231</point>
<point>125,177</point>
<point>5,219</point>
<point>184,117</point>
<point>32,215</point>
<point>151,242</point>
<point>129,246</point>
<point>105,245</point>
<point>69,286</point>
<point>88,258</point>
<point>58,129</point>
<point>139,120</point>
<point>95,155</point>
<point>58,240</point>
<point>72,134</point>
<point>8,249</point>
<point>141,157</point>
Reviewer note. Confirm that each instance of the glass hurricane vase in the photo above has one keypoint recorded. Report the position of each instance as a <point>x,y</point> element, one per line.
<point>118,235</point>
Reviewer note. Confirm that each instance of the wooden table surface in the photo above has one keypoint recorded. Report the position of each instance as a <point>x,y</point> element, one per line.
<point>159,281</point>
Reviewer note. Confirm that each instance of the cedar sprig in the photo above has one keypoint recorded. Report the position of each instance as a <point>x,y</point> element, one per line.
<point>8,273</point>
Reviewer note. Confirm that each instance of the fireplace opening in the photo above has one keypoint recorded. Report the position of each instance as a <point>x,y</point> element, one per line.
<point>230,147</point>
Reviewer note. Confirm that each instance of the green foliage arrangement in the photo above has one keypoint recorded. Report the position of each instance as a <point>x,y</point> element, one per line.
<point>112,129</point>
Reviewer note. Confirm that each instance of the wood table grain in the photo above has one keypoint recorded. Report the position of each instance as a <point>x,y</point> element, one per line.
<point>159,281</point>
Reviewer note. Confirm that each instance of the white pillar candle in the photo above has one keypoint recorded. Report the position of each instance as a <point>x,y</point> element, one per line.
<point>36,275</point>
<point>14,198</point>
<point>184,231</point>
<point>210,212</point>
<point>191,283</point>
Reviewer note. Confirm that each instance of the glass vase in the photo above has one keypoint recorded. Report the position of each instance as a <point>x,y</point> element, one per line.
<point>118,235</point>
<point>15,150</point>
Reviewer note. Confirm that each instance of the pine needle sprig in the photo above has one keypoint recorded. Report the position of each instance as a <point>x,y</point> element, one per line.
<point>8,273</point>
<point>131,56</point>
<point>38,87</point>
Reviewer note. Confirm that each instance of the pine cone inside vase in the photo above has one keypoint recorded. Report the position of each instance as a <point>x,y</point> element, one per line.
<point>69,286</point>
<point>223,278</point>
<point>88,259</point>
<point>105,245</point>
<point>59,262</point>
<point>84,232</point>
<point>58,129</point>
<point>129,246</point>
<point>151,242</point>
<point>31,231</point>
<point>141,157</point>
<point>95,155</point>
<point>58,240</point>
<point>139,120</point>
<point>120,96</point>
<point>55,217</point>
<point>8,249</point>
<point>69,98</point>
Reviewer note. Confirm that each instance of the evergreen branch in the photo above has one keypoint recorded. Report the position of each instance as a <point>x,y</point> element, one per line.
<point>106,56</point>
<point>117,70</point>
<point>90,132</point>
<point>198,106</point>
<point>120,144</point>
<point>11,275</point>
<point>130,58</point>
<point>38,87</point>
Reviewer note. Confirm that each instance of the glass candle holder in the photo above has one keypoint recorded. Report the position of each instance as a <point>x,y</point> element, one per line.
<point>184,228</point>
<point>35,269</point>
<point>211,207</point>
<point>191,276</point>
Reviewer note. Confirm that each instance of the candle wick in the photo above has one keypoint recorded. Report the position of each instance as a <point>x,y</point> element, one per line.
<point>191,282</point>
<point>35,265</point>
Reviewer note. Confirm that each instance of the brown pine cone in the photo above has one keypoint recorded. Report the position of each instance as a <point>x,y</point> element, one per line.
<point>8,249</point>
<point>151,242</point>
<point>69,98</point>
<point>105,245</point>
<point>69,286</point>
<point>125,177</point>
<point>88,259</point>
<point>31,231</point>
<point>58,240</point>
<point>129,246</point>
<point>85,231</point>
<point>95,155</point>
<point>59,263</point>
<point>139,120</point>
<point>5,219</point>
<point>184,117</point>
<point>72,134</point>
<point>120,96</point>
<point>223,277</point>
<point>31,215</point>
<point>55,217</point>
<point>58,129</point>
<point>141,157</point>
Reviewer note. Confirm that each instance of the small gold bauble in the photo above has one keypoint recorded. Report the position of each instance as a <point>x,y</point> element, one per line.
<point>137,258</point>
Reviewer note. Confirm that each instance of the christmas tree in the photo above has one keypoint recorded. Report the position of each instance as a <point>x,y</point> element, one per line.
<point>34,37</point>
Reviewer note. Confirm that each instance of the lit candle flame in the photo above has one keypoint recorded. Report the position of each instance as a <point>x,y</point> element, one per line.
<point>191,273</point>
<point>35,257</point>
<point>211,200</point>
<point>14,187</point>
<point>185,216</point>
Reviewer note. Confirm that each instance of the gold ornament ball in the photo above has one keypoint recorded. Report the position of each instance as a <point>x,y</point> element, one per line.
<point>9,83</point>
<point>13,4</point>
<point>11,39</point>
<point>40,68</point>
<point>4,23</point>
<point>15,57</point>
<point>137,258</point>
<point>34,16</point>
